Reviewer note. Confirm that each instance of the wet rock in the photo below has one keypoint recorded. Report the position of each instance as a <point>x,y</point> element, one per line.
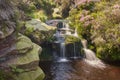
<point>72,46</point>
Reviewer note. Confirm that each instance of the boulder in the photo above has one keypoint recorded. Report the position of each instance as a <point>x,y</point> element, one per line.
<point>38,31</point>
<point>31,75</point>
<point>22,59</point>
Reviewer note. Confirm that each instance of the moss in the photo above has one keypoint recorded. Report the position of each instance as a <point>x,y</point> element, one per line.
<point>38,31</point>
<point>39,15</point>
<point>23,44</point>
<point>71,39</point>
<point>29,56</point>
<point>16,70</point>
<point>31,75</point>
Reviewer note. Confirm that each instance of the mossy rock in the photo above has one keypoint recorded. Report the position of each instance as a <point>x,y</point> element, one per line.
<point>24,66</point>
<point>71,39</point>
<point>23,44</point>
<point>38,31</point>
<point>36,24</point>
<point>31,75</point>
<point>32,55</point>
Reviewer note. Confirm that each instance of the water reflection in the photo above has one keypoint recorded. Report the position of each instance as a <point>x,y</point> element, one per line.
<point>79,70</point>
<point>62,71</point>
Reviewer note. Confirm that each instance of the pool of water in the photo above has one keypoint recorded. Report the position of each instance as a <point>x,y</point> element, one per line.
<point>79,70</point>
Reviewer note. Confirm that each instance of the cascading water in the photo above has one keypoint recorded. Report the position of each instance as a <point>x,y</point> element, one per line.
<point>60,40</point>
<point>90,55</point>
<point>91,58</point>
<point>60,34</point>
<point>62,52</point>
<point>75,53</point>
<point>62,49</point>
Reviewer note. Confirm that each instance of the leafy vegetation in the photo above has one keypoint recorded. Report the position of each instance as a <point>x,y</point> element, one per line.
<point>98,22</point>
<point>95,21</point>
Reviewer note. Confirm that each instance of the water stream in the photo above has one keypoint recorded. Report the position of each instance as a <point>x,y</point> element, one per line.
<point>91,58</point>
<point>89,68</point>
<point>78,70</point>
<point>62,53</point>
<point>75,53</point>
<point>60,34</point>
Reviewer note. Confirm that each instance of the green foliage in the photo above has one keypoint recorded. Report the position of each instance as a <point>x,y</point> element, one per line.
<point>99,24</point>
<point>45,5</point>
<point>88,6</point>
<point>29,30</point>
<point>71,39</point>
<point>105,31</point>
<point>27,8</point>
<point>40,9</point>
<point>48,37</point>
<point>39,15</point>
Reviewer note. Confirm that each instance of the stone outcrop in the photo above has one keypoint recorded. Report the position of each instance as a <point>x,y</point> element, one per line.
<point>7,24</point>
<point>18,55</point>
<point>39,32</point>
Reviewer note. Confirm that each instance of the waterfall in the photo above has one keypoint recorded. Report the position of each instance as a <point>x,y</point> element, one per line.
<point>62,52</point>
<point>75,53</point>
<point>61,41</point>
<point>91,58</point>
<point>62,49</point>
<point>60,35</point>
<point>90,55</point>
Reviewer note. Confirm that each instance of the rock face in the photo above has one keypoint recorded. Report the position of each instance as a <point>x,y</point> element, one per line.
<point>73,47</point>
<point>7,24</point>
<point>21,58</point>
<point>39,32</point>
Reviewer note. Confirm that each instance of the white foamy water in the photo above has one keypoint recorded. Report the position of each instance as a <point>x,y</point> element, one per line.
<point>96,63</point>
<point>90,55</point>
<point>91,58</point>
<point>63,60</point>
<point>62,49</point>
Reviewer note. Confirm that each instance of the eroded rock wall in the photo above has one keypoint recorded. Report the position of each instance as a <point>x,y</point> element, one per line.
<point>19,56</point>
